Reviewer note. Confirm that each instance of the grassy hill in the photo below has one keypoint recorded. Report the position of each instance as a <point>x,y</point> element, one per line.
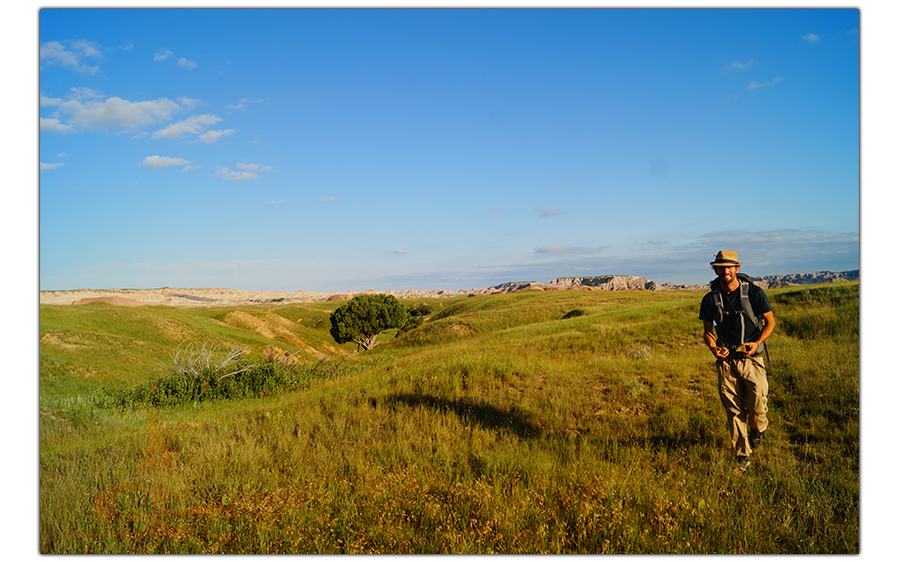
<point>532,422</point>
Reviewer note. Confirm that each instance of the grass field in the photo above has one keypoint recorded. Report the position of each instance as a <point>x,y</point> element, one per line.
<point>534,422</point>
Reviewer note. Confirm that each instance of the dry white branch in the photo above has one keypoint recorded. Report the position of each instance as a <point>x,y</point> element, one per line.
<point>192,360</point>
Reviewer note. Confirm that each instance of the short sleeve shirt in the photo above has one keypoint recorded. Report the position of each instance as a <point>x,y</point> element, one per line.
<point>729,331</point>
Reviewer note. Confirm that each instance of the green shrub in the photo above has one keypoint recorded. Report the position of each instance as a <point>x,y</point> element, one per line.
<point>363,317</point>
<point>192,378</point>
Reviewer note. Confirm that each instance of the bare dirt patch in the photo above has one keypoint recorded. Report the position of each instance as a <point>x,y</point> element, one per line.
<point>272,327</point>
<point>54,340</point>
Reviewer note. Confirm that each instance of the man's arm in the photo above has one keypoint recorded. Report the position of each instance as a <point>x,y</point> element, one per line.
<point>766,332</point>
<point>710,338</point>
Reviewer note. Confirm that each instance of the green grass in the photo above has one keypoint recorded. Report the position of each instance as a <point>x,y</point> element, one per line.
<point>504,424</point>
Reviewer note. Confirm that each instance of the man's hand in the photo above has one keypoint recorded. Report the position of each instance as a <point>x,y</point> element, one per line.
<point>720,352</point>
<point>751,347</point>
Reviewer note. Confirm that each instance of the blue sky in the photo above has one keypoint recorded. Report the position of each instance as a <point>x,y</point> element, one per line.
<point>353,149</point>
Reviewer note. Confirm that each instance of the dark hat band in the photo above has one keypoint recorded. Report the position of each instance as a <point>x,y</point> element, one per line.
<point>724,262</point>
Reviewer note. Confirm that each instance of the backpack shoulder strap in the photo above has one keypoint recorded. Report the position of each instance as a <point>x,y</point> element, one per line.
<point>717,300</point>
<point>747,308</point>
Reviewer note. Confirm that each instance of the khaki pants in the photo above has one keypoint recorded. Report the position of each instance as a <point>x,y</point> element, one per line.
<point>744,392</point>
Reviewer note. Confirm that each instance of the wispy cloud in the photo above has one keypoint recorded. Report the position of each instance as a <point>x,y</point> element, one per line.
<point>279,202</point>
<point>47,166</point>
<point>738,65</point>
<point>244,102</point>
<point>772,252</point>
<point>47,101</point>
<point>188,64</point>
<point>195,125</point>
<point>54,126</point>
<point>547,212</point>
<point>154,162</point>
<point>556,249</point>
<point>811,37</point>
<point>161,56</point>
<point>254,167</point>
<point>756,85</point>
<point>248,173</point>
<point>400,252</point>
<point>327,199</point>
<point>83,93</point>
<point>212,136</point>
<point>227,174</point>
<point>84,110</point>
<point>55,53</point>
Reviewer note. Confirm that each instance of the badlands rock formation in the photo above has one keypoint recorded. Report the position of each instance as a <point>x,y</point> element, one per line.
<point>232,297</point>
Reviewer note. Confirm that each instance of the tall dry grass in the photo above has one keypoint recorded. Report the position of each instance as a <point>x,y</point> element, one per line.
<point>503,424</point>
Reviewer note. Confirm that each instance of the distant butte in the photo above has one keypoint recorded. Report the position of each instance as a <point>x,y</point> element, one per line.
<point>232,297</point>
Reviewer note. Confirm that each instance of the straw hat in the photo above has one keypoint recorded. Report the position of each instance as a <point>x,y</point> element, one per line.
<point>726,259</point>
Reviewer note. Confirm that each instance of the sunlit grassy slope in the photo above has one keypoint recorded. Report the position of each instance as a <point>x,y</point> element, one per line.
<point>533,422</point>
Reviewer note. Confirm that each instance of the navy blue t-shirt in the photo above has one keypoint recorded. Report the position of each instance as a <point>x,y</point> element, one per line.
<point>729,331</point>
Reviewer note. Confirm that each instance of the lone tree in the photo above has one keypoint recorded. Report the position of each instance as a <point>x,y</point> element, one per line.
<point>363,317</point>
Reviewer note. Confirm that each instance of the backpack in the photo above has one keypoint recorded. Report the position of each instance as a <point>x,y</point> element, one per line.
<point>747,311</point>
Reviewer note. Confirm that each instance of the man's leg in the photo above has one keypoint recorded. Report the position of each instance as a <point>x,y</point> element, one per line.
<point>756,397</point>
<point>730,392</point>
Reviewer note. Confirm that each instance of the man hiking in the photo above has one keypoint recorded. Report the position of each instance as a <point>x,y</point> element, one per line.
<point>743,321</point>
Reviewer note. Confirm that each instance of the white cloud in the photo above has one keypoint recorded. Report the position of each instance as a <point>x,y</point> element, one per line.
<point>279,202</point>
<point>244,101</point>
<point>154,162</point>
<point>162,56</point>
<point>84,94</point>
<point>561,250</point>
<point>552,249</point>
<point>229,175</point>
<point>254,167</point>
<point>755,85</point>
<point>327,199</point>
<point>188,64</point>
<point>737,65</point>
<point>47,166</point>
<point>811,37</point>
<point>213,136</point>
<point>188,103</point>
<point>191,126</point>
<point>47,101</point>
<point>400,252</point>
<point>117,114</point>
<point>548,212</point>
<point>55,53</point>
<point>54,126</point>
<point>86,48</point>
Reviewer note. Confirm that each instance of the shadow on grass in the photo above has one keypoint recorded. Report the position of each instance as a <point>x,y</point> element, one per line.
<point>484,415</point>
